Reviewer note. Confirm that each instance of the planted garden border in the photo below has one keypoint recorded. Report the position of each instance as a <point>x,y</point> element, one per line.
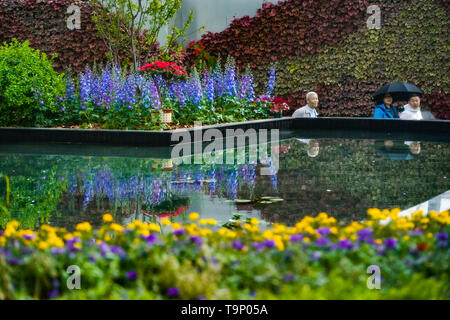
<point>356,128</point>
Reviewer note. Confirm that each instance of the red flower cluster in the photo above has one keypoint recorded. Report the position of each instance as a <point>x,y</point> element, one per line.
<point>198,49</point>
<point>277,104</point>
<point>165,67</point>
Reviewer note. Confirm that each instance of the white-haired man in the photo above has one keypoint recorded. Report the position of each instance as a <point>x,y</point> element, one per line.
<point>308,111</point>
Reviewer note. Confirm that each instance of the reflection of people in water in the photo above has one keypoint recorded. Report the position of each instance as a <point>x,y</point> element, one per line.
<point>414,147</point>
<point>313,147</point>
<point>398,151</point>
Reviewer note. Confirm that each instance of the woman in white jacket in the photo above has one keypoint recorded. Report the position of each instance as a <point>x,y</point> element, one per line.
<point>412,109</point>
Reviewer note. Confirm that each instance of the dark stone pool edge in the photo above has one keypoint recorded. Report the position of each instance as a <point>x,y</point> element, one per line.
<point>356,128</point>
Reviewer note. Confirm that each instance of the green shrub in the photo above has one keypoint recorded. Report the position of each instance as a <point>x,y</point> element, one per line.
<point>29,86</point>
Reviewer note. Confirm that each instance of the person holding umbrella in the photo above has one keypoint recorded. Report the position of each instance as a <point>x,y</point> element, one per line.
<point>395,91</point>
<point>385,109</point>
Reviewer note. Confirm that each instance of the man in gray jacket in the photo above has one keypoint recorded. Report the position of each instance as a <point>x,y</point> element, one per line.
<point>308,111</point>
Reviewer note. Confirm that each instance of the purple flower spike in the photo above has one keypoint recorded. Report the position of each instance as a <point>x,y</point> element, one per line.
<point>259,246</point>
<point>288,277</point>
<point>269,243</point>
<point>334,246</point>
<point>324,231</point>
<point>322,241</point>
<point>442,239</point>
<point>131,275</point>
<point>296,238</point>
<point>179,232</point>
<point>151,239</point>
<point>53,294</point>
<point>237,245</point>
<point>196,239</point>
<point>390,243</point>
<point>119,251</point>
<point>345,244</point>
<point>55,251</point>
<point>365,235</point>
<point>173,292</point>
<point>14,261</point>
<point>28,237</point>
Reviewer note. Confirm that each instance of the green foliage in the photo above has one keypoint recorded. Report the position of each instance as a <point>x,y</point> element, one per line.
<point>29,87</point>
<point>134,26</point>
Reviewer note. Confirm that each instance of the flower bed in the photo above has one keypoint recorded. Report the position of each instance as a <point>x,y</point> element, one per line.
<point>316,258</point>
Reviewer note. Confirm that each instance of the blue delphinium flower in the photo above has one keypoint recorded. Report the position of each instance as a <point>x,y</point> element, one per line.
<point>195,88</point>
<point>270,83</point>
<point>180,90</point>
<point>86,86</point>
<point>156,102</point>
<point>217,74</point>
<point>230,77</point>
<point>210,90</point>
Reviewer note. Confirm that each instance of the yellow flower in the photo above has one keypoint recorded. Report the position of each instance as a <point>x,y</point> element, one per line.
<point>406,237</point>
<point>165,222</point>
<point>429,235</point>
<point>205,232</point>
<point>68,236</point>
<point>222,231</point>
<point>279,244</point>
<point>425,220</point>
<point>292,230</point>
<point>248,227</point>
<point>353,237</point>
<point>107,218</point>
<point>2,241</point>
<point>334,230</point>
<point>378,241</point>
<point>176,226</point>
<point>193,216</point>
<point>267,234</point>
<point>231,234</point>
<point>12,225</point>
<point>254,221</point>
<point>143,232</point>
<point>211,221</point>
<point>203,221</point>
<point>84,226</point>
<point>116,227</point>
<point>154,227</point>
<point>43,245</point>
<point>306,239</point>
<point>56,242</point>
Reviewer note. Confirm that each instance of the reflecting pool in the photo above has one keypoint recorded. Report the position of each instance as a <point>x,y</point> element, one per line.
<point>342,177</point>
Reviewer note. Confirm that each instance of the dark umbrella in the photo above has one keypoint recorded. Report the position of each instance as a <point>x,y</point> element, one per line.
<point>400,91</point>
